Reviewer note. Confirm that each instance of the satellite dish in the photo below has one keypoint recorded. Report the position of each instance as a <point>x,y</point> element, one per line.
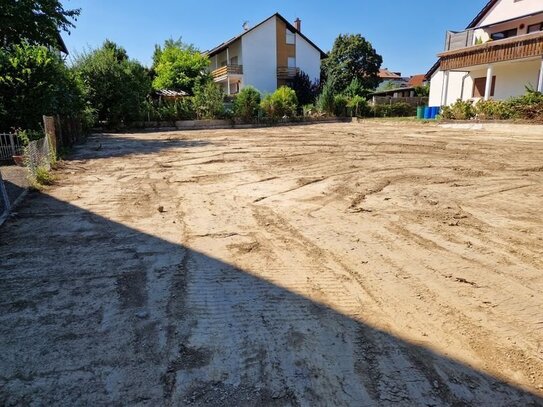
<point>245,25</point>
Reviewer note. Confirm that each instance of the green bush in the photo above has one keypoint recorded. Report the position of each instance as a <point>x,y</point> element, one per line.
<point>528,106</point>
<point>247,104</point>
<point>325,101</point>
<point>340,105</point>
<point>459,110</point>
<point>43,176</point>
<point>397,109</point>
<point>208,101</point>
<point>181,109</point>
<point>358,106</point>
<point>493,110</point>
<point>281,103</point>
<point>310,110</point>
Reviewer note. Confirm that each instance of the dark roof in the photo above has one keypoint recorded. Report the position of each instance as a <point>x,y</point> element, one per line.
<point>482,13</point>
<point>434,68</point>
<point>61,45</point>
<point>225,45</point>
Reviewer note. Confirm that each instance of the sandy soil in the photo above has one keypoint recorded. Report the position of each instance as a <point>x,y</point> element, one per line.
<point>377,263</point>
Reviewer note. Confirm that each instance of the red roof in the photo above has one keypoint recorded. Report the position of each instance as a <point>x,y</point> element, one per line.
<point>386,74</point>
<point>416,80</point>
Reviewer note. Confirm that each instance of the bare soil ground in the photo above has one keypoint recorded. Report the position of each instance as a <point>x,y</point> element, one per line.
<point>378,263</point>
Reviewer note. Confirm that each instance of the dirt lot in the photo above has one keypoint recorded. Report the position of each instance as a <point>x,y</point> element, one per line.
<point>377,263</point>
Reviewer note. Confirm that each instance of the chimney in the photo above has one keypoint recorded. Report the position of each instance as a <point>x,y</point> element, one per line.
<point>298,24</point>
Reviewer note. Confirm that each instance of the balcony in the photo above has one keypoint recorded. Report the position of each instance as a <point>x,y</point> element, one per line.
<point>509,49</point>
<point>284,72</point>
<point>224,71</point>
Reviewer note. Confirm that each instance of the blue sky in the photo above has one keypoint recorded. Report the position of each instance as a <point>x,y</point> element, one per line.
<point>408,34</point>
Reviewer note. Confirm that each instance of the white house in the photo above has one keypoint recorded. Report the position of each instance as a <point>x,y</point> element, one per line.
<point>497,56</point>
<point>265,56</point>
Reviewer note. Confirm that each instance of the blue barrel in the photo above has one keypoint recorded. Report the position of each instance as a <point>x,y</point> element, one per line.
<point>427,112</point>
<point>436,112</point>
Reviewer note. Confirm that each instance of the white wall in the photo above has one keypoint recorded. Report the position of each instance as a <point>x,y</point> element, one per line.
<point>508,9</point>
<point>259,49</point>
<point>511,78</point>
<point>308,59</point>
<point>455,91</point>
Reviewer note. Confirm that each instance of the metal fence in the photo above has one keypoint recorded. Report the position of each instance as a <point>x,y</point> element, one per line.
<point>5,204</point>
<point>10,145</point>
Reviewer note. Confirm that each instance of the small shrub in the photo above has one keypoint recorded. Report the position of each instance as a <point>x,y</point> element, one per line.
<point>181,109</point>
<point>281,103</point>
<point>310,110</point>
<point>358,106</point>
<point>493,110</point>
<point>397,109</point>
<point>460,110</point>
<point>43,176</point>
<point>528,106</point>
<point>208,101</point>
<point>340,105</point>
<point>325,101</point>
<point>26,136</point>
<point>247,104</point>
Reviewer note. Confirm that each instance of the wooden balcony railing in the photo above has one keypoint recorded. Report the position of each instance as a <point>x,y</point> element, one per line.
<point>509,49</point>
<point>227,70</point>
<point>284,72</point>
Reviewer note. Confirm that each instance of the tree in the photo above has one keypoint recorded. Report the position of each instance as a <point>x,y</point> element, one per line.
<point>352,56</point>
<point>306,90</point>
<point>116,85</point>
<point>33,82</point>
<point>179,66</point>
<point>34,21</point>
<point>325,101</point>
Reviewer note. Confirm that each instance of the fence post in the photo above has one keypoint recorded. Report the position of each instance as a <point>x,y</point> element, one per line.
<point>50,132</point>
<point>4,194</point>
<point>12,142</point>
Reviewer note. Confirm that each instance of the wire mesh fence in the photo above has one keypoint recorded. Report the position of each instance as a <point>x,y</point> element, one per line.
<point>39,155</point>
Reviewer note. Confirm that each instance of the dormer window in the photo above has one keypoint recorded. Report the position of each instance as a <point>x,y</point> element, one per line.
<point>291,37</point>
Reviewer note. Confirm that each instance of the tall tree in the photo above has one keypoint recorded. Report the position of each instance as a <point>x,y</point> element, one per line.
<point>35,81</point>
<point>352,57</point>
<point>179,66</point>
<point>34,21</point>
<point>116,85</point>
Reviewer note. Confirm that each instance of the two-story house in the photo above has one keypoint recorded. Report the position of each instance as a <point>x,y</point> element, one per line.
<point>498,55</point>
<point>265,56</point>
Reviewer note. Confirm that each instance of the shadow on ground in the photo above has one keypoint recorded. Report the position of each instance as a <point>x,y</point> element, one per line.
<point>115,145</point>
<point>97,313</point>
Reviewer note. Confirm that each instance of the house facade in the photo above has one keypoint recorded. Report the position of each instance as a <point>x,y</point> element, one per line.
<point>265,56</point>
<point>498,56</point>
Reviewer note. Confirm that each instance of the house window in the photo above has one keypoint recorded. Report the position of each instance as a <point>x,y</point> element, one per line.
<point>504,34</point>
<point>291,62</point>
<point>291,37</point>
<point>535,28</point>
<point>234,61</point>
<point>479,85</point>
